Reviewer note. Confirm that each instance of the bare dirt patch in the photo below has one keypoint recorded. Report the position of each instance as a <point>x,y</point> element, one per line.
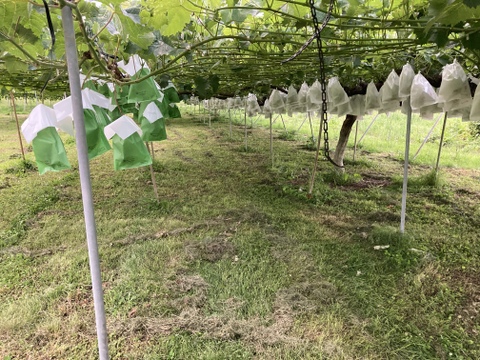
<point>210,249</point>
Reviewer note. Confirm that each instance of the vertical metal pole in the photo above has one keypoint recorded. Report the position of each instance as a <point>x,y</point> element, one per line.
<point>84,168</point>
<point>18,125</point>
<point>405,168</point>
<point>230,121</point>
<point>271,139</point>
<point>355,141</point>
<point>441,143</point>
<point>246,135</point>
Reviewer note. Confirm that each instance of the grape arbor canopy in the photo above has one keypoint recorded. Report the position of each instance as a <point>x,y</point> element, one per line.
<point>235,46</point>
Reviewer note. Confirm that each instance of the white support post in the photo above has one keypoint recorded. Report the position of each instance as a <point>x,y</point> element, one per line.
<point>84,169</point>
<point>230,121</point>
<point>271,139</point>
<point>355,141</point>
<point>246,134</point>
<point>405,167</point>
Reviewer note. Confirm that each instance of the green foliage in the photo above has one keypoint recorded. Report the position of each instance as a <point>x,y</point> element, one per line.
<point>206,88</point>
<point>233,47</point>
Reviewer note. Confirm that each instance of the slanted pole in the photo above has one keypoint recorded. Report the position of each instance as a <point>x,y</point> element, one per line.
<point>405,167</point>
<point>311,126</point>
<point>427,137</point>
<point>368,128</point>
<point>441,143</point>
<point>86,186</point>
<point>283,121</point>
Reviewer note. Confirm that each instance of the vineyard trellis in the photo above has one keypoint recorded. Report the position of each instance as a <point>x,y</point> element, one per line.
<point>226,48</point>
<point>206,46</point>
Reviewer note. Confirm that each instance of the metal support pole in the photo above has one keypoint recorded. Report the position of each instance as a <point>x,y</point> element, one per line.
<point>271,139</point>
<point>405,168</point>
<point>441,143</point>
<point>355,141</point>
<point>246,135</point>
<point>84,169</point>
<point>230,122</point>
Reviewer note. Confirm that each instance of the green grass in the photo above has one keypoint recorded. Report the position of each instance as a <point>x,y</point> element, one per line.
<point>235,261</point>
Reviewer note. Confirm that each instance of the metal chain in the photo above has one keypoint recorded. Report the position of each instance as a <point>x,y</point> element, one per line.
<point>323,80</point>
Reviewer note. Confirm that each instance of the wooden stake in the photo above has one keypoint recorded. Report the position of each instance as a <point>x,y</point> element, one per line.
<point>153,151</point>
<point>154,182</point>
<point>152,173</point>
<point>12,97</point>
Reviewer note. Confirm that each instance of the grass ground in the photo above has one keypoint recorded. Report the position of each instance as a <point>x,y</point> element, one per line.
<point>235,261</point>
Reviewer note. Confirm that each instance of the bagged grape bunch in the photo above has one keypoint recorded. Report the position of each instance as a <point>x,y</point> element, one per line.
<point>391,87</point>
<point>422,93</point>
<point>39,129</point>
<point>338,100</point>
<point>357,104</point>
<point>292,101</point>
<point>302,98</point>
<point>475,110</point>
<point>314,97</point>
<point>454,91</point>
<point>373,100</point>
<point>405,81</point>
<point>276,102</point>
<point>267,110</point>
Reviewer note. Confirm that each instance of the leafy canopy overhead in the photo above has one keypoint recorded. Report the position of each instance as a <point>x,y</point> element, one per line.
<point>235,46</point>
